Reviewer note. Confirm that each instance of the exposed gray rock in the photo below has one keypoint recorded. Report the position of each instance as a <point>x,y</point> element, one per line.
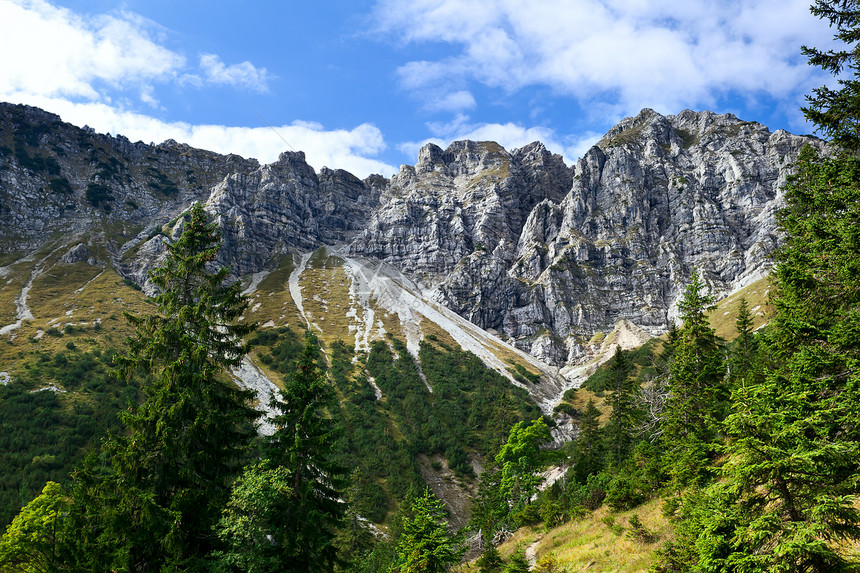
<point>286,205</point>
<point>517,242</point>
<point>76,254</point>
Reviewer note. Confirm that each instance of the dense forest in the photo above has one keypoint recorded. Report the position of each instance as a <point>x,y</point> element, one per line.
<point>753,446</point>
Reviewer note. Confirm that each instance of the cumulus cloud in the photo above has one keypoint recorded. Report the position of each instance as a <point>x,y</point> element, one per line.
<point>453,101</point>
<point>240,75</point>
<point>93,71</point>
<point>508,135</point>
<point>649,53</point>
<point>58,53</point>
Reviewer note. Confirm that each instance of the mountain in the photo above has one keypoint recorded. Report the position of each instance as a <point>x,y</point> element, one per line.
<point>534,267</point>
<point>543,254</point>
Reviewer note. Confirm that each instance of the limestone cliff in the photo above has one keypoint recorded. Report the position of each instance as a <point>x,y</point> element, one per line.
<point>543,254</point>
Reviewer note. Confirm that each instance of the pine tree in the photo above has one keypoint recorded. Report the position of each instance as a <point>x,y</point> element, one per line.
<point>303,443</point>
<point>696,390</point>
<point>836,112</point>
<point>169,475</point>
<point>426,545</point>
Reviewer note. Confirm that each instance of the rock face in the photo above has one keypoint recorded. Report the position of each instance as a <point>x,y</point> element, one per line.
<point>287,205</point>
<point>547,255</point>
<point>59,180</point>
<point>519,243</point>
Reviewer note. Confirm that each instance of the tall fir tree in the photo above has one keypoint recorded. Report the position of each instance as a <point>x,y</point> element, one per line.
<point>742,360</point>
<point>794,436</point>
<point>696,390</point>
<point>168,476</point>
<point>303,443</point>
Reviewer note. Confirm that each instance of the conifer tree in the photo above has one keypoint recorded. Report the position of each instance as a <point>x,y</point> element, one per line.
<point>836,112</point>
<point>743,356</point>
<point>426,545</point>
<point>619,429</point>
<point>169,475</point>
<point>589,453</point>
<point>795,434</point>
<point>303,443</point>
<point>695,390</point>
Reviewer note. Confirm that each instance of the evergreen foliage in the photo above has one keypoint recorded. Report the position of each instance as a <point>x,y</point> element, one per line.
<point>589,453</point>
<point>168,476</point>
<point>303,443</point>
<point>836,112</point>
<point>794,435</point>
<point>696,390</point>
<point>43,433</point>
<point>742,360</point>
<point>619,432</point>
<point>426,545</point>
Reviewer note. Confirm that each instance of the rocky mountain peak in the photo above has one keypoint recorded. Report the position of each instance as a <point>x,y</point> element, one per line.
<point>516,241</point>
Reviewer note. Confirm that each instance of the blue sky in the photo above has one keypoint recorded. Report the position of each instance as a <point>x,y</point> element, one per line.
<point>361,85</point>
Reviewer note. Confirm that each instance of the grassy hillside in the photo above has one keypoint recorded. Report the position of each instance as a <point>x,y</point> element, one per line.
<point>601,541</point>
<point>414,415</point>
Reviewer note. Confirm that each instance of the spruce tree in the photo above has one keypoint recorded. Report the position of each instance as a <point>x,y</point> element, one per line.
<point>743,357</point>
<point>618,432</point>
<point>588,457</point>
<point>836,112</point>
<point>168,476</point>
<point>696,390</point>
<point>303,443</point>
<point>426,545</point>
<point>795,434</point>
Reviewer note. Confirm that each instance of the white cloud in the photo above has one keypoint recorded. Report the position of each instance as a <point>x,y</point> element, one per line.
<point>351,149</point>
<point>81,68</point>
<point>53,52</point>
<point>241,75</point>
<point>58,53</point>
<point>453,101</point>
<point>647,53</point>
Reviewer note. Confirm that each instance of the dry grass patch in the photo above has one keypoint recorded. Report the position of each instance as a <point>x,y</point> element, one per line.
<point>272,299</point>
<point>604,541</point>
<point>723,318</point>
<point>325,297</point>
<point>430,328</point>
<point>95,321</point>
